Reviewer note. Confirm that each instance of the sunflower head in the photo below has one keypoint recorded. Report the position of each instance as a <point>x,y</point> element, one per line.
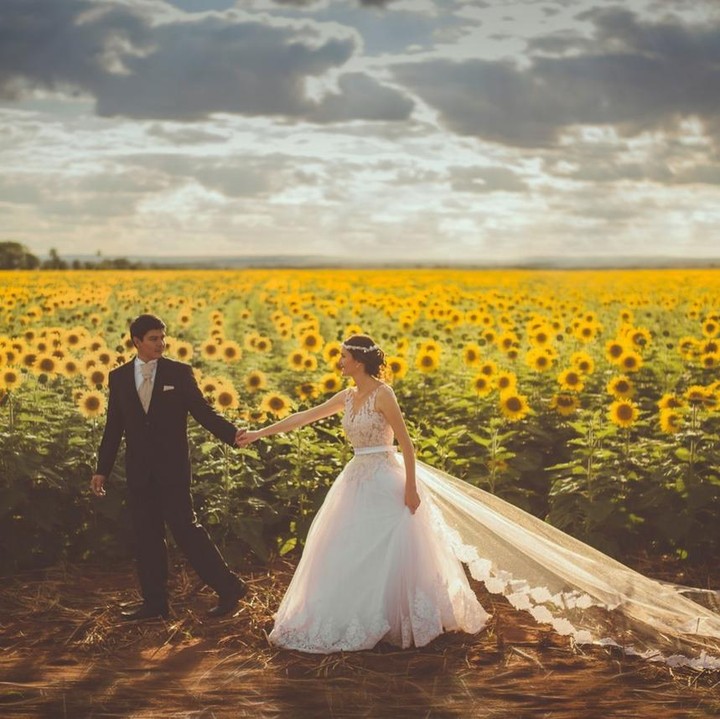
<point>427,362</point>
<point>671,420</point>
<point>623,413</point>
<point>255,380</point>
<point>397,367</point>
<point>91,403</point>
<point>276,404</point>
<point>513,406</point>
<point>565,404</point>
<point>330,383</point>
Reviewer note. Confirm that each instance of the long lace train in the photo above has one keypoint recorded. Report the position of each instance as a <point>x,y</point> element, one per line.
<point>566,583</point>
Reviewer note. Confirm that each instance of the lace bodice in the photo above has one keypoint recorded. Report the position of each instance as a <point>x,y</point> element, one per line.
<point>364,426</point>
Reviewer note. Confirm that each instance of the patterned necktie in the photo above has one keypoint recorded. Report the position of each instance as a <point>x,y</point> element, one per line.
<point>146,386</point>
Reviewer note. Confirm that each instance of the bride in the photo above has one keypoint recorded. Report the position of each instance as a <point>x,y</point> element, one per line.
<point>384,556</point>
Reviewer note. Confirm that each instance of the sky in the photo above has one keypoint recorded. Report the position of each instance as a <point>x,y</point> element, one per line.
<point>411,130</point>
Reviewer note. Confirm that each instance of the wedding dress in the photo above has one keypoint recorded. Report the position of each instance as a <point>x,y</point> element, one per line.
<point>373,571</point>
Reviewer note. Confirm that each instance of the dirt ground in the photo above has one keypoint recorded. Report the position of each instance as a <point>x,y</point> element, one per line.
<point>64,652</point>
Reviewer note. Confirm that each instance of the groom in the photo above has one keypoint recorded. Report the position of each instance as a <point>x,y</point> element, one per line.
<point>150,398</point>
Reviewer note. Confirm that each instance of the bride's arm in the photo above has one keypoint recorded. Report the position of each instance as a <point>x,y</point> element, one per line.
<point>299,419</point>
<point>387,405</point>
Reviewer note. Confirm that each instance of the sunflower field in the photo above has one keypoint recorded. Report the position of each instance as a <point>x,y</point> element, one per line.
<point>589,398</point>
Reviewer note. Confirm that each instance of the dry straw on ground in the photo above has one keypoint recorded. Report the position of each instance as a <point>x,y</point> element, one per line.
<point>65,653</point>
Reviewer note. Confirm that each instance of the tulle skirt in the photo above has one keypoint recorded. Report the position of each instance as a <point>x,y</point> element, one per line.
<point>371,571</point>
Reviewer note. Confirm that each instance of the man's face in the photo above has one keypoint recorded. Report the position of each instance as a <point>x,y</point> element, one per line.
<point>151,346</point>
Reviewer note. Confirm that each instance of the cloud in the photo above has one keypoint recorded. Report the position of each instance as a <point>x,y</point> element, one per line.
<point>485,179</point>
<point>631,74</point>
<point>187,67</point>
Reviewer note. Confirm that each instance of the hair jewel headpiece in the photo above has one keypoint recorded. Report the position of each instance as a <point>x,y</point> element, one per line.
<point>372,348</point>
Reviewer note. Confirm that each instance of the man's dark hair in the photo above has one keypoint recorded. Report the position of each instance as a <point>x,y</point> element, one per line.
<point>142,324</point>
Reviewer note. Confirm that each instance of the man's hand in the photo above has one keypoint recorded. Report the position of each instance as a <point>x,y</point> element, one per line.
<point>239,437</point>
<point>247,438</point>
<point>96,484</point>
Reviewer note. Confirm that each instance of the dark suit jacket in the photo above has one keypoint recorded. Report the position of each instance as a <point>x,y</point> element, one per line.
<point>156,442</point>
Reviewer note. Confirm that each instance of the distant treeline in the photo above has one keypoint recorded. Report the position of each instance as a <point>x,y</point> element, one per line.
<point>15,256</point>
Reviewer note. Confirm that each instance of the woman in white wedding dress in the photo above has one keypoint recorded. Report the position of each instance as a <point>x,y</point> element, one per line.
<point>384,555</point>
<point>375,565</point>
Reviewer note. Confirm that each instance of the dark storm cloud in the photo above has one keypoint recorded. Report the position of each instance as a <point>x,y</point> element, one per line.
<point>183,70</point>
<point>631,74</point>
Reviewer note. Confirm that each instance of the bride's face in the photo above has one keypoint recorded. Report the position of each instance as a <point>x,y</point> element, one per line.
<point>349,366</point>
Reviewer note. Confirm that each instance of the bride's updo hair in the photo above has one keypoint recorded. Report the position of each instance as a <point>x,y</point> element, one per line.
<point>363,349</point>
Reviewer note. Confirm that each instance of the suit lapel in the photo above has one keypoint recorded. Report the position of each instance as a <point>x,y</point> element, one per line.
<point>128,370</point>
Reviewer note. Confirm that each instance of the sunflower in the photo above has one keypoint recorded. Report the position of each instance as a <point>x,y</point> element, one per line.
<point>670,401</point>
<point>296,360</point>
<point>10,378</point>
<point>583,362</point>
<point>710,360</point>
<point>46,364</point>
<point>710,327</point>
<point>621,387</point>
<point>255,415</point>
<point>91,403</point>
<point>210,385</point>
<point>226,398</point>
<point>539,359</point>
<point>614,350</point>
<point>565,404</point>
<point>507,341</point>
<point>331,351</point>
<point>307,390</point>
<point>230,351</point>
<point>210,350</point>
<point>96,377</point>
<point>623,412</point>
<point>182,350</point>
<point>310,363</point>
<point>639,336</point>
<point>69,367</point>
<point>697,395</point>
<point>488,368</point>
<point>482,385</point>
<point>505,381</point>
<point>276,404</point>
<point>472,354</point>
<point>250,340</point>
<point>263,344</point>
<point>330,383</point>
<point>397,367</point>
<point>540,336</point>
<point>688,346</point>
<point>430,347</point>
<point>427,362</point>
<point>311,341</point>
<point>630,361</point>
<point>514,406</point>
<point>255,380</point>
<point>75,338</point>
<point>571,380</point>
<point>671,420</point>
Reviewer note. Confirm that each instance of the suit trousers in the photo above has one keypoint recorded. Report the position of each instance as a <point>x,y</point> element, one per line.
<point>152,505</point>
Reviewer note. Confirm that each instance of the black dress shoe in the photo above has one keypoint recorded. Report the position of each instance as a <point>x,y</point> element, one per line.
<point>145,611</point>
<point>228,602</point>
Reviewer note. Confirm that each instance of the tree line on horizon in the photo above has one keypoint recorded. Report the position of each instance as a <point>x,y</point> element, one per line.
<point>16,256</point>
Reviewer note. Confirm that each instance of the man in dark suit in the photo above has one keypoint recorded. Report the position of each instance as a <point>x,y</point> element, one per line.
<point>150,398</point>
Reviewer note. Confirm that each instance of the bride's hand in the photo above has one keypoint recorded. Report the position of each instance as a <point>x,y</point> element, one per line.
<point>247,438</point>
<point>412,500</point>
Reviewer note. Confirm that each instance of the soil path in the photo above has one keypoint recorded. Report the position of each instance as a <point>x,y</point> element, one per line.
<point>65,653</point>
